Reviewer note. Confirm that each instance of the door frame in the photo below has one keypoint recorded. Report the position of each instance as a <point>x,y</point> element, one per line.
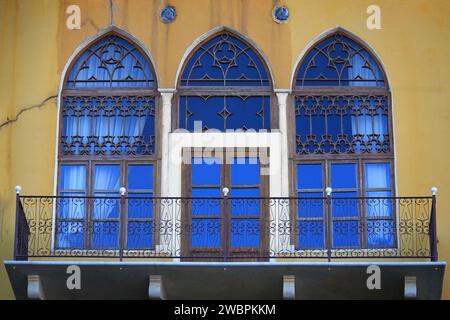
<point>224,252</point>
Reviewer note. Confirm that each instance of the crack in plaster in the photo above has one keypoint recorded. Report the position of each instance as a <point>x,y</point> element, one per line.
<point>36,106</point>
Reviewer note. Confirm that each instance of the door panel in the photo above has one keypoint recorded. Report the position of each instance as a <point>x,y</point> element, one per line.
<point>224,228</point>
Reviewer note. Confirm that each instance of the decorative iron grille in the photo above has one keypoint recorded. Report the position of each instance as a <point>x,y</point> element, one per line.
<point>108,125</point>
<point>272,227</point>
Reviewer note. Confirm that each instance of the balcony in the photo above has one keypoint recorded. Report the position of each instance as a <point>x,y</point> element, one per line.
<point>122,242</point>
<point>225,229</point>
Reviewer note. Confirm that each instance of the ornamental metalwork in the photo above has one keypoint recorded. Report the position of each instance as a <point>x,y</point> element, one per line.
<point>166,233</point>
<point>342,124</point>
<point>339,61</point>
<point>108,125</point>
<point>225,60</point>
<point>111,61</point>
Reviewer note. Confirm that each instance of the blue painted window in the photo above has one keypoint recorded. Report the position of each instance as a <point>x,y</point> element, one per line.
<point>107,206</point>
<point>225,63</point>
<point>72,207</point>
<point>225,60</point>
<point>245,204</point>
<point>206,211</point>
<point>379,210</point>
<point>310,211</point>
<point>141,206</point>
<point>339,61</point>
<point>345,211</point>
<point>111,61</point>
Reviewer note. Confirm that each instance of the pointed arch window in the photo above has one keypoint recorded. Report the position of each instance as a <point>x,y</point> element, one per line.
<point>341,119</point>
<point>108,139</point>
<point>225,84</point>
<point>109,101</point>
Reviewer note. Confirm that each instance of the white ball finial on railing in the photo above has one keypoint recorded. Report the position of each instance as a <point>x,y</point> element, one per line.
<point>18,189</point>
<point>434,191</point>
<point>225,191</point>
<point>122,191</point>
<point>328,191</point>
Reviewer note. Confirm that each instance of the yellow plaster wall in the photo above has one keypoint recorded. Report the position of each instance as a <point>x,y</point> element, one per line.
<point>35,45</point>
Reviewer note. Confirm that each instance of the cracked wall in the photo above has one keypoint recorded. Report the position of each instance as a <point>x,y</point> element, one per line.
<point>36,45</point>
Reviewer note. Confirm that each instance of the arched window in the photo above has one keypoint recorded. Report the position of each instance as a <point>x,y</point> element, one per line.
<point>107,140</point>
<point>224,85</point>
<point>343,140</point>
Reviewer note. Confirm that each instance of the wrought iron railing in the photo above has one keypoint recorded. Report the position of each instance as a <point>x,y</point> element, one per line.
<point>225,229</point>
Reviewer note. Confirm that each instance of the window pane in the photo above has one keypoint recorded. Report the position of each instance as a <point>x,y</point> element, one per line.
<point>344,207</point>
<point>206,206</point>
<point>206,232</point>
<point>140,177</point>
<point>345,234</point>
<point>310,208</point>
<point>343,175</point>
<point>105,235</point>
<point>244,232</point>
<point>378,175</point>
<point>69,234</point>
<point>206,171</point>
<point>140,235</point>
<point>311,234</point>
<point>309,176</point>
<point>142,207</point>
<point>246,207</point>
<point>106,208</point>
<point>72,177</point>
<point>107,177</point>
<point>379,207</point>
<point>380,233</point>
<point>72,207</point>
<point>245,171</point>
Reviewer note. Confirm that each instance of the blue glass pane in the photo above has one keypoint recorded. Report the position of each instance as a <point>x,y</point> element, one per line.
<point>245,171</point>
<point>201,113</point>
<point>245,232</point>
<point>69,235</point>
<point>206,232</point>
<point>344,207</point>
<point>310,208</point>
<point>140,177</point>
<point>206,207</point>
<point>224,60</point>
<point>141,208</point>
<point>71,208</point>
<point>379,207</point>
<point>245,207</point>
<point>111,62</point>
<point>105,235</point>
<point>309,176</point>
<point>378,175</point>
<point>380,233</point>
<point>107,177</point>
<point>106,208</point>
<point>140,235</point>
<point>206,171</point>
<point>345,234</point>
<point>339,61</point>
<point>343,176</point>
<point>311,234</point>
<point>72,177</point>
